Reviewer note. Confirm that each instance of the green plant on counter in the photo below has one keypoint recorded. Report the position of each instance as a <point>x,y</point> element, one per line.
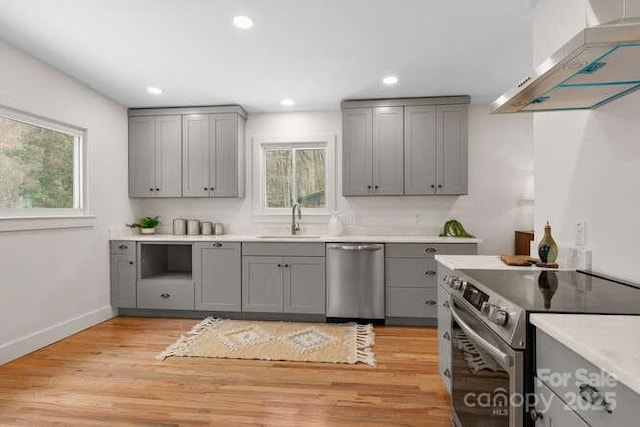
<point>145,222</point>
<point>453,228</point>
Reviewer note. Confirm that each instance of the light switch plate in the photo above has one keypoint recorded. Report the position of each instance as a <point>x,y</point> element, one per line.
<point>581,230</point>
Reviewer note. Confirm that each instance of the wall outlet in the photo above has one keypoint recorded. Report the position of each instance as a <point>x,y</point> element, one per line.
<point>581,231</point>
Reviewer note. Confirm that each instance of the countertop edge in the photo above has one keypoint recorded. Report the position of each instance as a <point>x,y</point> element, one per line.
<point>284,239</point>
<point>543,322</point>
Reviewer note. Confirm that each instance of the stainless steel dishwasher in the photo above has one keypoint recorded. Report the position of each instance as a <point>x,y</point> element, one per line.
<point>355,281</point>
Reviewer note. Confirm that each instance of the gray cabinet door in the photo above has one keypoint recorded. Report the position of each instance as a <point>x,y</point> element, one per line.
<point>388,152</point>
<point>123,281</point>
<point>304,285</point>
<point>217,268</point>
<point>142,156</point>
<point>195,155</point>
<point>420,150</point>
<point>224,155</point>
<point>357,154</point>
<point>451,149</point>
<point>262,279</point>
<point>168,156</point>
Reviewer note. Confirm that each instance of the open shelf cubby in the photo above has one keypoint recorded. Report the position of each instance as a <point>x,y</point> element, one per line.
<point>170,262</point>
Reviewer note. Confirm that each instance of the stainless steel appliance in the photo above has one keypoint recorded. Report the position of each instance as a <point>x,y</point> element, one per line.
<point>596,66</point>
<point>492,344</point>
<point>355,281</point>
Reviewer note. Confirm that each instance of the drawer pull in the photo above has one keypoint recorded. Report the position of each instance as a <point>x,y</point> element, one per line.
<point>446,336</point>
<point>430,250</point>
<point>217,245</point>
<point>123,247</point>
<point>447,373</point>
<point>165,295</point>
<point>430,302</point>
<point>445,304</point>
<point>430,272</point>
<point>535,415</point>
<point>594,397</point>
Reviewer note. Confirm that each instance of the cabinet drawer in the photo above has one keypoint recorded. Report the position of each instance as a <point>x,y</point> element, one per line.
<point>411,302</point>
<point>283,249</point>
<point>554,359</point>
<point>410,272</point>
<point>429,250</point>
<point>122,247</point>
<point>235,246</point>
<point>172,296</point>
<point>556,413</point>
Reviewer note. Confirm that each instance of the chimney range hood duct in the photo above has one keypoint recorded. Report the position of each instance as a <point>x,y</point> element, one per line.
<point>600,64</point>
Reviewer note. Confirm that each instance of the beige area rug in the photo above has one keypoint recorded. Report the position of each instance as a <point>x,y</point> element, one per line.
<point>264,340</point>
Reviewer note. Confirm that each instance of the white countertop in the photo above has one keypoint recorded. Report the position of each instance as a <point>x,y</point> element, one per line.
<point>612,343</point>
<point>301,238</point>
<point>479,262</point>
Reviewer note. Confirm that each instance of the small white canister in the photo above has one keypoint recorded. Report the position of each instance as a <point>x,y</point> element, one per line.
<point>179,227</point>
<point>193,227</point>
<point>207,228</point>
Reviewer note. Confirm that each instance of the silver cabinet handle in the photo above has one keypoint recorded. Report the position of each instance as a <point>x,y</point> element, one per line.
<point>217,245</point>
<point>356,247</point>
<point>430,250</point>
<point>123,247</point>
<point>445,304</point>
<point>447,373</point>
<point>535,415</point>
<point>446,336</point>
<point>165,295</point>
<point>430,272</point>
<point>594,397</point>
<point>430,302</point>
<point>498,354</point>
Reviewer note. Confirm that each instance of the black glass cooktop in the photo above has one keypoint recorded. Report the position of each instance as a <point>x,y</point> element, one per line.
<point>559,291</point>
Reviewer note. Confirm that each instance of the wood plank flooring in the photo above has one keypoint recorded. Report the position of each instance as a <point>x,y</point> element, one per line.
<point>107,375</point>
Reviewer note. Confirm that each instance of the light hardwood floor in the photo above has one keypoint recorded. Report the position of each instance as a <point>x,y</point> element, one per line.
<point>107,375</point>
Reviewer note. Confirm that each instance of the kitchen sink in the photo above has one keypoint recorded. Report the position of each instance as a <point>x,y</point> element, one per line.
<point>288,236</point>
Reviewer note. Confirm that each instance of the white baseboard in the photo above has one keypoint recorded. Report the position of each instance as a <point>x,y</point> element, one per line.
<point>25,345</point>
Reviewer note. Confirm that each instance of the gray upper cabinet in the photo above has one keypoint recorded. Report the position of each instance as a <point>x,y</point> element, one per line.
<point>217,267</point>
<point>213,159</point>
<point>372,151</point>
<point>451,149</point>
<point>420,150</point>
<point>414,146</point>
<point>154,156</point>
<point>388,151</point>
<point>187,152</point>
<point>357,158</point>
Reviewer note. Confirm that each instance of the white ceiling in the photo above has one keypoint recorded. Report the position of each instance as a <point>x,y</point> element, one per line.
<point>316,52</point>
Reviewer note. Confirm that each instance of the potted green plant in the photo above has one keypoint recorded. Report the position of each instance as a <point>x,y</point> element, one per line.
<point>146,224</point>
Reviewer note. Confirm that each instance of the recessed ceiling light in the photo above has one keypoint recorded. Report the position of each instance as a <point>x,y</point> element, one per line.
<point>243,22</point>
<point>287,102</point>
<point>390,80</point>
<point>154,90</point>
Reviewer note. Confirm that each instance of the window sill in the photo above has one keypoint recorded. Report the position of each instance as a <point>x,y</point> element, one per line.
<point>29,223</point>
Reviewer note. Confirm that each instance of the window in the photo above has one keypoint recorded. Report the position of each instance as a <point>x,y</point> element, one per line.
<point>40,166</point>
<point>294,170</point>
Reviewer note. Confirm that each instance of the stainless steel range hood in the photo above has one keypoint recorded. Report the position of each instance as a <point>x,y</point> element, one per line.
<point>598,65</point>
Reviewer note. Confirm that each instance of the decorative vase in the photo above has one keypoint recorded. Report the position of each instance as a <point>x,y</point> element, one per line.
<point>547,249</point>
<point>336,227</point>
<point>148,231</point>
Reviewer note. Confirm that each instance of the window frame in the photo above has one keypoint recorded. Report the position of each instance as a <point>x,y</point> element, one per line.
<point>18,219</point>
<point>298,142</point>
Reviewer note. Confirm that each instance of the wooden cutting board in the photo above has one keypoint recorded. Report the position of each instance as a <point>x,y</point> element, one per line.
<point>518,260</point>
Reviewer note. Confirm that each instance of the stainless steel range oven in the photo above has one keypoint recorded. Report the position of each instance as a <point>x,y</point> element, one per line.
<point>486,377</point>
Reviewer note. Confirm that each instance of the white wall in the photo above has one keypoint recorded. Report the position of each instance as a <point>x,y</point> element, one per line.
<point>500,159</point>
<point>588,162</point>
<point>53,283</point>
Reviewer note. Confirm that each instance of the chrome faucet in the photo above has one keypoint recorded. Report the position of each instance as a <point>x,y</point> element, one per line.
<point>295,227</point>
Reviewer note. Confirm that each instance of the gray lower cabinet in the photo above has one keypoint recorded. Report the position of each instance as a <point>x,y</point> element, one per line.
<point>217,267</point>
<point>405,146</point>
<point>274,280</point>
<point>213,156</point>
<point>123,281</point>
<point>550,410</point>
<point>155,145</point>
<point>444,327</point>
<point>165,295</point>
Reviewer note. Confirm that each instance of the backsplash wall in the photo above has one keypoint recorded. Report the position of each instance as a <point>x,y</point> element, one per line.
<point>500,162</point>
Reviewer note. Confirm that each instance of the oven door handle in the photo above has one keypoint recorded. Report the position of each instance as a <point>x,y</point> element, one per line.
<point>502,357</point>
